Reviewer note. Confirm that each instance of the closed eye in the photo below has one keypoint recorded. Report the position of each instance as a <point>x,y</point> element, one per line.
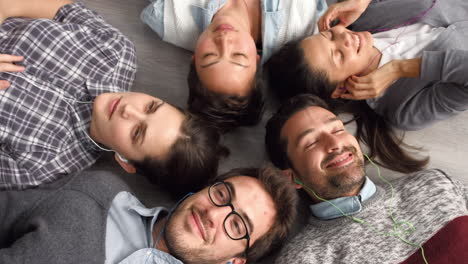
<point>208,55</point>
<point>153,106</point>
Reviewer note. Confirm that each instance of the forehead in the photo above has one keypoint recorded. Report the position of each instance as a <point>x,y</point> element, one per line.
<point>253,199</point>
<point>162,131</point>
<point>317,50</point>
<point>236,82</point>
<point>312,117</point>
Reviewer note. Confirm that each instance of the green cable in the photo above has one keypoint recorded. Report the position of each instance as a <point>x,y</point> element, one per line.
<point>396,224</point>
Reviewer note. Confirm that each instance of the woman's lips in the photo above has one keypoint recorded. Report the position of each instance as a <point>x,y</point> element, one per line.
<point>113,106</point>
<point>224,27</point>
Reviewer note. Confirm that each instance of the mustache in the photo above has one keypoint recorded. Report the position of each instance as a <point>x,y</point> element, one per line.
<point>333,155</point>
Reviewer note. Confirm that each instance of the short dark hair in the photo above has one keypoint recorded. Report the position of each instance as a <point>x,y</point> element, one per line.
<point>192,160</point>
<point>223,110</point>
<point>372,130</point>
<point>284,197</point>
<point>276,146</point>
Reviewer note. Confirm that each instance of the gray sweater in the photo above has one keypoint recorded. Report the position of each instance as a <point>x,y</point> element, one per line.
<point>429,200</point>
<point>442,89</point>
<point>63,222</point>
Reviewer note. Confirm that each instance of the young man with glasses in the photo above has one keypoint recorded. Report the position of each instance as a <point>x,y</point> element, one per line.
<point>93,218</point>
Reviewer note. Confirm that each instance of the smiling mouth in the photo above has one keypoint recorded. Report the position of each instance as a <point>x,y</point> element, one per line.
<point>341,161</point>
<point>357,38</point>
<point>113,106</point>
<point>198,225</point>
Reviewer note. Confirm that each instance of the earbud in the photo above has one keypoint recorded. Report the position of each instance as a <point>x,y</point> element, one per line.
<point>121,158</point>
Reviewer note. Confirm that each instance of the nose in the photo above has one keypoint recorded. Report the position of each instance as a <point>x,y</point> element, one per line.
<point>131,112</point>
<point>216,215</point>
<point>222,41</point>
<point>333,143</point>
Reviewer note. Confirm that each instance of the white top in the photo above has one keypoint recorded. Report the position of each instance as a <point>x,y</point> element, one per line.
<point>405,43</point>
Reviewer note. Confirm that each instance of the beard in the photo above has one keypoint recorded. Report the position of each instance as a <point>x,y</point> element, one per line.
<point>180,248</point>
<point>341,183</point>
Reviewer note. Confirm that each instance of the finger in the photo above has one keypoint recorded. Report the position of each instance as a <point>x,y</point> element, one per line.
<point>10,58</point>
<point>9,67</point>
<point>359,95</point>
<point>352,85</point>
<point>4,84</point>
<point>338,92</point>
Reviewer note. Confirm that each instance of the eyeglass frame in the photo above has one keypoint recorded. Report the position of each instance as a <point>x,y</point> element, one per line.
<point>233,212</point>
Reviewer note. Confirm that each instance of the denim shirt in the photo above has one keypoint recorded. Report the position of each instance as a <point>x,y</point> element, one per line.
<point>273,21</point>
<point>349,205</point>
<point>129,232</point>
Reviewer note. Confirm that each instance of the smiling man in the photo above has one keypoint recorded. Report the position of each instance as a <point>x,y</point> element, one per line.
<point>93,218</point>
<point>352,219</point>
<point>70,102</point>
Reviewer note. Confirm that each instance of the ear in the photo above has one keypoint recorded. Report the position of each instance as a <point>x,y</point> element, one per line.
<point>290,174</point>
<point>125,165</point>
<point>236,261</point>
<point>258,58</point>
<point>339,90</point>
<point>193,58</point>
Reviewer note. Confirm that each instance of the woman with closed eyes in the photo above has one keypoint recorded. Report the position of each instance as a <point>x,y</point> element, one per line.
<point>224,36</point>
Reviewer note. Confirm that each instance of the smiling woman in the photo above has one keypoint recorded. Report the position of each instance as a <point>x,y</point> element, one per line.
<point>54,115</point>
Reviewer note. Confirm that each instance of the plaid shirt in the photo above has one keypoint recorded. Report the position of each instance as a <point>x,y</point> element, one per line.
<point>43,120</point>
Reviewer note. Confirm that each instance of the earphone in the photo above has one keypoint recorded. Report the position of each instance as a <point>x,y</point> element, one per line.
<point>400,227</point>
<point>165,224</point>
<point>67,100</point>
<point>121,158</point>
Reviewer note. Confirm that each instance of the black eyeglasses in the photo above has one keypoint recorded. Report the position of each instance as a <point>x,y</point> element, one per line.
<point>234,224</point>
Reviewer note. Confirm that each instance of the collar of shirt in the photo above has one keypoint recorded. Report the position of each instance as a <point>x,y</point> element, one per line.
<point>349,205</point>
<point>129,227</point>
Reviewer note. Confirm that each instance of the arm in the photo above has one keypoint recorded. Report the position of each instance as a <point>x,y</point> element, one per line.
<point>30,8</point>
<point>376,82</point>
<point>65,227</point>
<point>346,11</point>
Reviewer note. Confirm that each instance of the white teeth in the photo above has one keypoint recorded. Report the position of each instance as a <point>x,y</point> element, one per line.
<point>358,40</point>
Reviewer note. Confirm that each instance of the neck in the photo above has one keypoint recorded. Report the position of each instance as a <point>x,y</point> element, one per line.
<point>158,228</point>
<point>246,13</point>
<point>374,62</point>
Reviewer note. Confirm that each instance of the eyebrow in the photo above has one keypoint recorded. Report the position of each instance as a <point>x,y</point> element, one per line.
<point>232,62</point>
<point>331,50</point>
<point>143,136</point>
<point>310,130</point>
<point>244,215</point>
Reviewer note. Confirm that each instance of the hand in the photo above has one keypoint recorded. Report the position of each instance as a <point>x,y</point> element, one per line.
<point>7,65</point>
<point>371,85</point>
<point>347,12</point>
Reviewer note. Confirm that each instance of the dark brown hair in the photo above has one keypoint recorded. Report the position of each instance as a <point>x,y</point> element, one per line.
<point>373,130</point>
<point>284,197</point>
<point>223,110</point>
<point>192,160</point>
